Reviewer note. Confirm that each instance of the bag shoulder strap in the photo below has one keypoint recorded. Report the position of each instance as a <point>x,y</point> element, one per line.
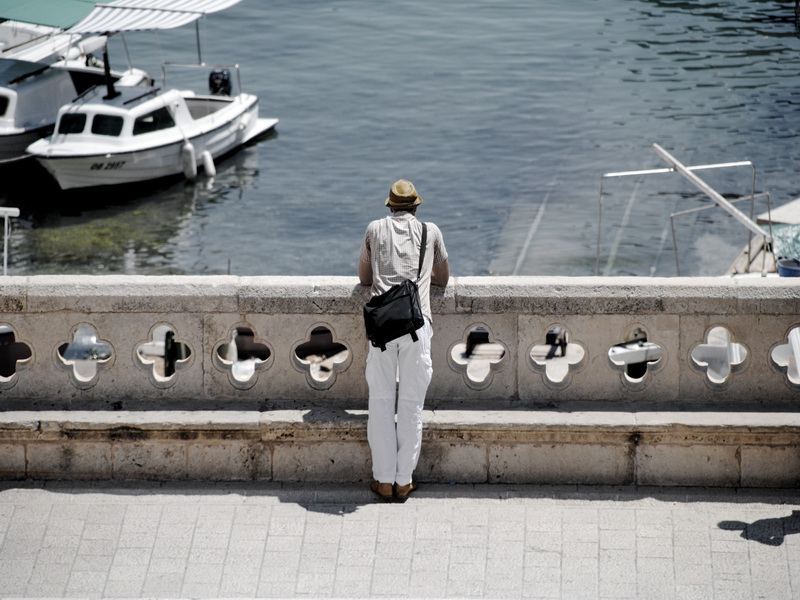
<point>422,246</point>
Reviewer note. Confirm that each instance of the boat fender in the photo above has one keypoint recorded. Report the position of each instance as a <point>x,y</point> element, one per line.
<point>245,121</point>
<point>208,164</point>
<point>189,161</point>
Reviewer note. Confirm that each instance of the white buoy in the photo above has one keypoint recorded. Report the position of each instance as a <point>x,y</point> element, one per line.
<point>189,161</point>
<point>208,164</point>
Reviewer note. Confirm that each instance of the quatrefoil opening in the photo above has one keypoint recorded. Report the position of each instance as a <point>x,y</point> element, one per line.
<point>787,356</point>
<point>242,357</point>
<point>321,358</point>
<point>478,357</point>
<point>85,355</point>
<point>163,355</point>
<point>636,356</point>
<point>557,357</point>
<point>13,354</point>
<point>719,356</point>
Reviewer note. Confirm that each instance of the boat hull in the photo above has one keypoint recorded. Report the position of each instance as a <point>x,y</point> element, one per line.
<point>13,145</point>
<point>118,167</point>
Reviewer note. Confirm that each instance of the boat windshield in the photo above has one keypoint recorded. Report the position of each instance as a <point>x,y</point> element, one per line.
<point>107,125</point>
<point>72,123</point>
<point>154,121</point>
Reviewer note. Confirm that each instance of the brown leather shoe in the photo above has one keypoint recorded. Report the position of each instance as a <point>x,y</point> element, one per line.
<point>401,492</point>
<point>384,490</point>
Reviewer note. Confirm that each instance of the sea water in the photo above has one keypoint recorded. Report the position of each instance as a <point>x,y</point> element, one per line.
<point>505,115</point>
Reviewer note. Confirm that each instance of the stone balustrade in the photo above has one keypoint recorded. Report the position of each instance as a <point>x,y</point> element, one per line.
<point>613,380</point>
<point>678,317</point>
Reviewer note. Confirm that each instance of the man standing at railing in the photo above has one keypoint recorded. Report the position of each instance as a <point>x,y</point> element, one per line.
<point>398,377</point>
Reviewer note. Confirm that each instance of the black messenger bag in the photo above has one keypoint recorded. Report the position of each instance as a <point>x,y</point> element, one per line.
<point>397,311</point>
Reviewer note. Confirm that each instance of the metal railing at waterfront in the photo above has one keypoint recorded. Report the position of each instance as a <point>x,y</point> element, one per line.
<point>6,212</point>
<point>688,173</point>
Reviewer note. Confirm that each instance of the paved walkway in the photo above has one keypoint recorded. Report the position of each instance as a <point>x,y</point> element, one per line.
<point>263,540</point>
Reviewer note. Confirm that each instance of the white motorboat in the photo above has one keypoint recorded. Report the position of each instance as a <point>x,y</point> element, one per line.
<point>116,135</point>
<point>112,136</point>
<point>637,351</point>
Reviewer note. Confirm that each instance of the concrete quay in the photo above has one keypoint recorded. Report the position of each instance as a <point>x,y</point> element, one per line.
<point>267,540</point>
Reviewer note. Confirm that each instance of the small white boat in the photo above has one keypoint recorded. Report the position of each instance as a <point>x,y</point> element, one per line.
<point>113,136</point>
<point>637,351</point>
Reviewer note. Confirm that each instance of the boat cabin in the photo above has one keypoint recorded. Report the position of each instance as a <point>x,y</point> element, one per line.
<point>133,112</point>
<point>31,93</point>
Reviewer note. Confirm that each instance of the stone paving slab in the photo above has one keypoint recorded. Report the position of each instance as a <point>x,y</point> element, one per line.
<point>244,540</point>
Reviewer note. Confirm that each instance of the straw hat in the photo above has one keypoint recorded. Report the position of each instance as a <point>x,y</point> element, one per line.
<point>403,195</point>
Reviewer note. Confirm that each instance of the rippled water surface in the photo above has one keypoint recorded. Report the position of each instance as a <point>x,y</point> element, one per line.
<point>504,114</point>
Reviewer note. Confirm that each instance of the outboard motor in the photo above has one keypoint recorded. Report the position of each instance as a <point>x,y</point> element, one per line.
<point>219,82</point>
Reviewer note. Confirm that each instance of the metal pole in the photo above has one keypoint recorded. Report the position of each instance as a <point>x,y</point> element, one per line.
<point>680,213</point>
<point>125,46</point>
<point>752,212</point>
<point>713,194</point>
<point>745,163</point>
<point>675,245</point>
<point>7,212</point>
<point>197,35</point>
<point>5,245</point>
<point>599,229</point>
<point>742,163</point>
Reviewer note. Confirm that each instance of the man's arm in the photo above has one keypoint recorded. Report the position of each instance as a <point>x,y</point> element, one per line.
<point>440,274</point>
<point>365,272</point>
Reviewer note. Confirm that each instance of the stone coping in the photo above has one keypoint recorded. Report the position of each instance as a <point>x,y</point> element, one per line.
<point>332,294</point>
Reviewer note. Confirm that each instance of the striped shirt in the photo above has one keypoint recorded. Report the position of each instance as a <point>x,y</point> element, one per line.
<point>391,246</point>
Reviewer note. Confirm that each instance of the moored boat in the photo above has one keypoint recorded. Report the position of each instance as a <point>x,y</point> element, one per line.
<point>113,136</point>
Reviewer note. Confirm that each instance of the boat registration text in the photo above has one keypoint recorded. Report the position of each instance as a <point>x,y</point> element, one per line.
<point>109,166</point>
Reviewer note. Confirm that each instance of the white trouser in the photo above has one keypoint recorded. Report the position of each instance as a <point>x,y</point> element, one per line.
<point>396,445</point>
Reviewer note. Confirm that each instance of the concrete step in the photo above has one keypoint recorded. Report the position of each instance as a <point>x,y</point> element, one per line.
<point>723,449</point>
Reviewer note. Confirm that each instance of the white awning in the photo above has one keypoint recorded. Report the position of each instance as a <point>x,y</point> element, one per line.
<point>139,15</point>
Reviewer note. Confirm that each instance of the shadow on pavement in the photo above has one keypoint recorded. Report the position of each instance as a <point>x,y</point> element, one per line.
<point>771,532</point>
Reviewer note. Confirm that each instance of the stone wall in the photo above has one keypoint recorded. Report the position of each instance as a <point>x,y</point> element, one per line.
<point>678,315</point>
<point>717,404</point>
